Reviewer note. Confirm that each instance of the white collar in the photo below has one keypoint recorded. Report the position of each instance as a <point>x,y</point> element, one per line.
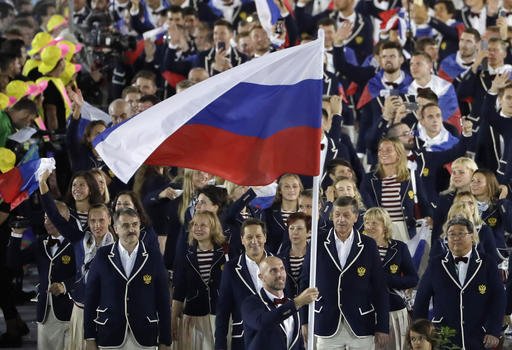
<point>500,69</point>
<point>431,141</point>
<point>351,18</point>
<point>348,241</point>
<point>460,62</point>
<point>397,81</point>
<point>249,261</point>
<point>59,237</point>
<point>436,84</point>
<point>125,252</point>
<point>272,296</point>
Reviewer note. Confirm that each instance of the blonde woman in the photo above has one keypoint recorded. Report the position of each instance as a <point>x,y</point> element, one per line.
<point>197,281</point>
<point>399,269</point>
<point>392,188</point>
<point>193,180</point>
<point>286,202</point>
<point>493,206</point>
<point>178,208</point>
<point>460,179</point>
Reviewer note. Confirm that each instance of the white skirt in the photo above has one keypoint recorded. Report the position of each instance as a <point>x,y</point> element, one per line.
<point>131,344</point>
<point>195,333</point>
<point>398,324</point>
<point>76,331</point>
<point>53,333</point>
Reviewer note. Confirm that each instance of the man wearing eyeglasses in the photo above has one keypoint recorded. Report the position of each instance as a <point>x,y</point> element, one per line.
<point>467,292</point>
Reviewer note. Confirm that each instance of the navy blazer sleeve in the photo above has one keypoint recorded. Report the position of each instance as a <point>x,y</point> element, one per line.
<point>426,208</point>
<point>140,26</point>
<point>357,74</point>
<point>257,317</point>
<point>468,86</point>
<point>150,239</point>
<point>496,312</point>
<point>224,307</point>
<point>67,228</point>
<point>447,31</point>
<point>425,292</point>
<point>162,298</point>
<point>180,279</point>
<point>367,192</point>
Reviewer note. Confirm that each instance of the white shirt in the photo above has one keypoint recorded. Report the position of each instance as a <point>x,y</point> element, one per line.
<point>287,323</point>
<point>127,259</point>
<point>479,23</point>
<point>436,84</point>
<point>254,271</point>
<point>351,18</point>
<point>343,248</point>
<point>54,249</point>
<point>462,268</point>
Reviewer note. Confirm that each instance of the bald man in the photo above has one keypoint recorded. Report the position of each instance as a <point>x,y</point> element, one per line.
<point>271,321</point>
<point>197,75</point>
<point>119,110</point>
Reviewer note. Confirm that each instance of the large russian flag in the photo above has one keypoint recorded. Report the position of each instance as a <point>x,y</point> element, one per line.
<point>248,125</point>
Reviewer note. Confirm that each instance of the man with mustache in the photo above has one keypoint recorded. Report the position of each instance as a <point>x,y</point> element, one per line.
<point>127,296</point>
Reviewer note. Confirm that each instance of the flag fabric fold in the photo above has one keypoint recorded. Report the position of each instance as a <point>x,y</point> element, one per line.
<point>268,13</point>
<point>248,125</point>
<point>20,182</point>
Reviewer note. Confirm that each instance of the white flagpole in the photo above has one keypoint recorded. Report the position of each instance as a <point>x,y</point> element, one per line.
<point>314,235</point>
<point>312,266</point>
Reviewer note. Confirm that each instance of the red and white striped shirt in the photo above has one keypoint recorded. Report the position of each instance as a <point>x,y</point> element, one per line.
<point>390,198</point>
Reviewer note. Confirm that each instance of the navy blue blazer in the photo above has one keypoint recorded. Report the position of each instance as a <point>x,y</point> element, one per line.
<point>400,273</point>
<point>277,231</point>
<point>371,191</point>
<point>236,285</point>
<point>474,87</point>
<point>112,299</point>
<point>473,309</point>
<point>263,327</point>
<point>58,268</point>
<point>441,207</point>
<point>356,292</point>
<point>200,297</point>
<point>499,218</point>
